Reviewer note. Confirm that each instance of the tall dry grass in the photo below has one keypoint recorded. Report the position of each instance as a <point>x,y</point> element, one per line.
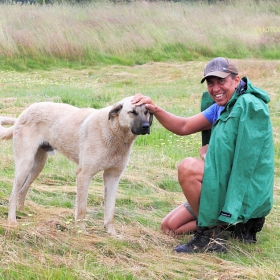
<point>141,31</point>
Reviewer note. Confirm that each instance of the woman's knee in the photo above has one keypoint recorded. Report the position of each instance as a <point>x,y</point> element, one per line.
<point>165,226</point>
<point>188,166</point>
<point>190,169</point>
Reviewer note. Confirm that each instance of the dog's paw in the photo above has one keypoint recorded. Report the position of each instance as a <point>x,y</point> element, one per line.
<point>12,224</point>
<point>81,230</point>
<point>110,229</point>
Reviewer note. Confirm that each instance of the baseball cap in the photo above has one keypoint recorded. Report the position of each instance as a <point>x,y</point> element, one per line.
<point>219,67</point>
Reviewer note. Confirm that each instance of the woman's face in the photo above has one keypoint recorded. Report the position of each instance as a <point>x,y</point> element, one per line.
<point>222,89</point>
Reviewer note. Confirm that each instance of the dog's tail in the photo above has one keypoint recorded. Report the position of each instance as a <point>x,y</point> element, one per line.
<point>6,133</point>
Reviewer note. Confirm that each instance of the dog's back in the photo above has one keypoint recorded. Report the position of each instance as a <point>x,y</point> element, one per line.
<point>52,126</point>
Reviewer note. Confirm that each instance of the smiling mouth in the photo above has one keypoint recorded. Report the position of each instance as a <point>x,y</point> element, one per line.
<point>219,95</point>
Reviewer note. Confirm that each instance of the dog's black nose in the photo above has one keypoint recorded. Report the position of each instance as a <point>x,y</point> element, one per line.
<point>145,128</point>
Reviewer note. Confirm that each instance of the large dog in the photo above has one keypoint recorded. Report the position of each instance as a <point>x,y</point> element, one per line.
<point>94,139</point>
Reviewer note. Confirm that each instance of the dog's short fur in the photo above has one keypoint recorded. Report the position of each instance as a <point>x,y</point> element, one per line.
<point>94,139</point>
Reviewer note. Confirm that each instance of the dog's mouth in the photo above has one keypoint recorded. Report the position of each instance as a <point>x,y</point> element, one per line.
<point>146,131</point>
<point>141,131</point>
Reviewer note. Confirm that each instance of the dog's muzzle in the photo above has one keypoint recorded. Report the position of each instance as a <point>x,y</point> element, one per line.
<point>145,129</point>
<point>142,129</point>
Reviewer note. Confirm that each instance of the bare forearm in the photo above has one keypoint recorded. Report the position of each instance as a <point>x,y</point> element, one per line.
<point>175,124</point>
<point>171,122</point>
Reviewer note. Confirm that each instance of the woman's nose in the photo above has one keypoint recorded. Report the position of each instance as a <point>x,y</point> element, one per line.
<point>216,87</point>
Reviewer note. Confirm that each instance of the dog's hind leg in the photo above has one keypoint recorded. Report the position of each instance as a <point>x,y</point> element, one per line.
<point>22,180</point>
<point>111,179</point>
<point>39,163</point>
<point>26,171</point>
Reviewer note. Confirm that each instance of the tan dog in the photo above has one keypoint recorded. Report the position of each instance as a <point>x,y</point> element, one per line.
<point>94,139</point>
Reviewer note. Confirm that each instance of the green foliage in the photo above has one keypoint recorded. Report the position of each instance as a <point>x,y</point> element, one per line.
<point>170,185</point>
<point>51,199</point>
<point>21,272</point>
<point>84,100</point>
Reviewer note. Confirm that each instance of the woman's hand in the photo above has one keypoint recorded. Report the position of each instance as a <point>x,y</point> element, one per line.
<point>203,151</point>
<point>139,99</point>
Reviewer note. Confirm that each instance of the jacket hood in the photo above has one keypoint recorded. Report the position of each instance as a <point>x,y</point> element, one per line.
<point>246,87</point>
<point>250,89</point>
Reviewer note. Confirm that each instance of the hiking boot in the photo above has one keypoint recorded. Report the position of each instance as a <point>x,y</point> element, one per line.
<point>247,233</point>
<point>205,240</point>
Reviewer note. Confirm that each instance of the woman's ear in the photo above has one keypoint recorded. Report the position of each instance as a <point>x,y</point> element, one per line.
<point>237,80</point>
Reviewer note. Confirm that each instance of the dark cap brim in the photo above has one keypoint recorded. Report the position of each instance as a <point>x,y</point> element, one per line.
<point>219,74</point>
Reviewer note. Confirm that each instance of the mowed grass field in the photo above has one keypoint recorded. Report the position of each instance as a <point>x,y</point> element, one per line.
<point>46,245</point>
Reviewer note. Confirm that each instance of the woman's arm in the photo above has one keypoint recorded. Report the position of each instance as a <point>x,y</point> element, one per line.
<point>173,123</point>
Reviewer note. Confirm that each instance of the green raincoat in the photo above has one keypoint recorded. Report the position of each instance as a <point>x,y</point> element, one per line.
<point>239,166</point>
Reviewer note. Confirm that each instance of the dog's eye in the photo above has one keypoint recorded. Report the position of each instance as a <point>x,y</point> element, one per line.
<point>146,112</point>
<point>133,112</point>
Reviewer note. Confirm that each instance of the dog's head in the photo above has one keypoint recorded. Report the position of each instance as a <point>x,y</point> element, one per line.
<point>137,118</point>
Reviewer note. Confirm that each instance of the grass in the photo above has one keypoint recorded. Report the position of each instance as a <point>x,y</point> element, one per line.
<point>46,245</point>
<point>93,56</point>
<point>134,33</point>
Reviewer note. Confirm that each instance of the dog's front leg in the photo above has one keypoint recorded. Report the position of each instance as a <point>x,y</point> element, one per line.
<point>12,206</point>
<point>83,181</point>
<point>111,181</point>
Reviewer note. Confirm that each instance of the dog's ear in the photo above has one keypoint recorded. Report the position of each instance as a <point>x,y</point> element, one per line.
<point>151,118</point>
<point>115,110</point>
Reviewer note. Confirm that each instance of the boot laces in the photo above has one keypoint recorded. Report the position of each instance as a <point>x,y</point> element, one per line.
<point>197,238</point>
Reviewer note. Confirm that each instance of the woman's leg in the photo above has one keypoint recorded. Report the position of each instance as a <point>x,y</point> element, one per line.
<point>190,174</point>
<point>179,221</point>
